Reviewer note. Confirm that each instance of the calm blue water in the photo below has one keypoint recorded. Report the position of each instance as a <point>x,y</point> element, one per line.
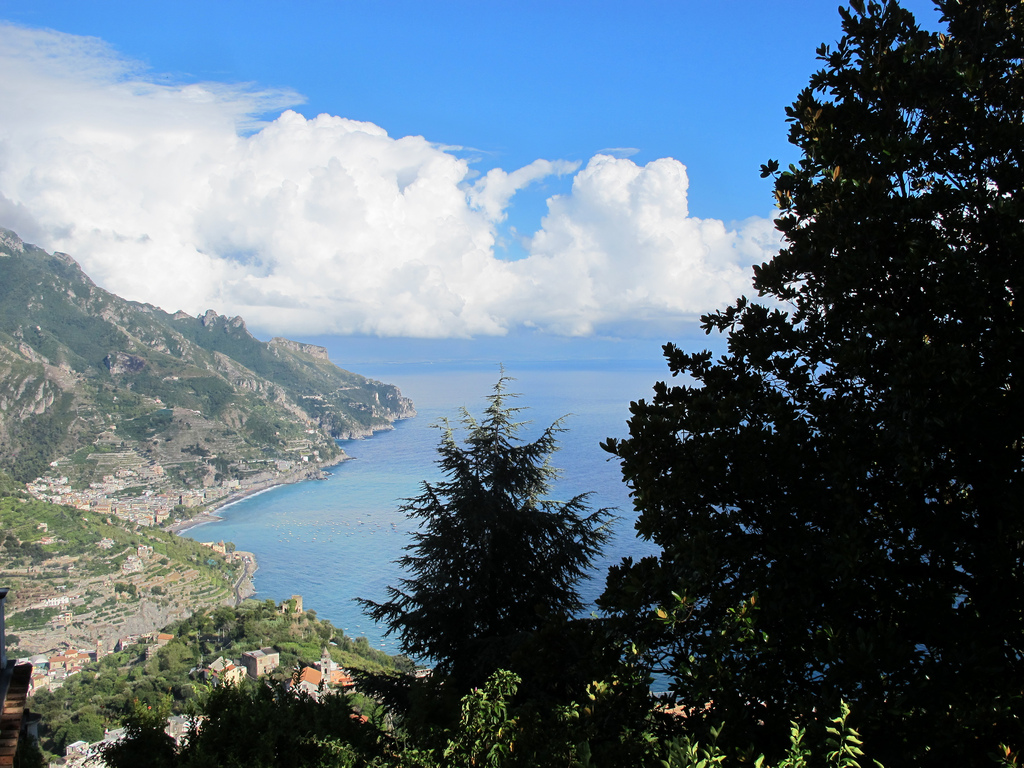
<point>333,540</point>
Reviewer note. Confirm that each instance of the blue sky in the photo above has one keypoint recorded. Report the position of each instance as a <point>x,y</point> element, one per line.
<point>146,139</point>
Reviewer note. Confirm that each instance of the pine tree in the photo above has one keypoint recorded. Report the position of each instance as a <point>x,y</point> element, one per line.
<point>493,558</point>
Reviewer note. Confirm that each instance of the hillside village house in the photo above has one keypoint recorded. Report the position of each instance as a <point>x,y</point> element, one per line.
<point>308,681</point>
<point>223,672</point>
<point>325,673</point>
<point>261,662</point>
<point>159,640</point>
<point>332,672</point>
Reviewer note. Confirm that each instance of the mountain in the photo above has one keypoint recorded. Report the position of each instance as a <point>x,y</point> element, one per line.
<point>84,371</point>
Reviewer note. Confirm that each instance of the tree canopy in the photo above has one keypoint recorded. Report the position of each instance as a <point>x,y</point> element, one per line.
<point>493,559</point>
<point>837,498</point>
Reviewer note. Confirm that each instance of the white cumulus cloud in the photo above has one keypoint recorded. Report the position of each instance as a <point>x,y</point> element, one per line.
<point>177,194</point>
<point>492,193</point>
<point>621,248</point>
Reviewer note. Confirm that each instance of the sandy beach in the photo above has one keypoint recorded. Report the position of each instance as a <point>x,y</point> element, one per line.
<point>193,522</point>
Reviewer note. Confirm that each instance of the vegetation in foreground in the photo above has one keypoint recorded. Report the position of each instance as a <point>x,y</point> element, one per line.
<point>493,561</point>
<point>837,499</point>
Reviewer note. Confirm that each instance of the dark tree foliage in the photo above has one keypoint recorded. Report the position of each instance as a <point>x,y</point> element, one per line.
<point>145,741</point>
<point>259,725</point>
<point>493,559</point>
<point>255,725</point>
<point>838,498</point>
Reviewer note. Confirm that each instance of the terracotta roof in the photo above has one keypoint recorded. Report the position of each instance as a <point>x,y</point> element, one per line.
<point>339,677</point>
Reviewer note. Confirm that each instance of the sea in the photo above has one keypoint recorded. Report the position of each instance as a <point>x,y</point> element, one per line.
<point>334,540</point>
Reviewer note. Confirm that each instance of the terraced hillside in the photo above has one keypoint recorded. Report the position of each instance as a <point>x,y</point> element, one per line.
<point>78,579</point>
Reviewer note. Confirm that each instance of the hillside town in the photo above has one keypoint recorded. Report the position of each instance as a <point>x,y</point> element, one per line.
<point>105,498</point>
<point>143,492</point>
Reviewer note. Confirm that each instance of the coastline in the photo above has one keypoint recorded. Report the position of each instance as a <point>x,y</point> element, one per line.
<point>208,515</point>
<point>244,587</point>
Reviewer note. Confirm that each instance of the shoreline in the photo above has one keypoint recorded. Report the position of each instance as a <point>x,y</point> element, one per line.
<point>209,515</point>
<point>244,587</point>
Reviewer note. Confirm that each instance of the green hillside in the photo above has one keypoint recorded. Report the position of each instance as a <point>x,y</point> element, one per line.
<point>77,363</point>
<point>66,569</point>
